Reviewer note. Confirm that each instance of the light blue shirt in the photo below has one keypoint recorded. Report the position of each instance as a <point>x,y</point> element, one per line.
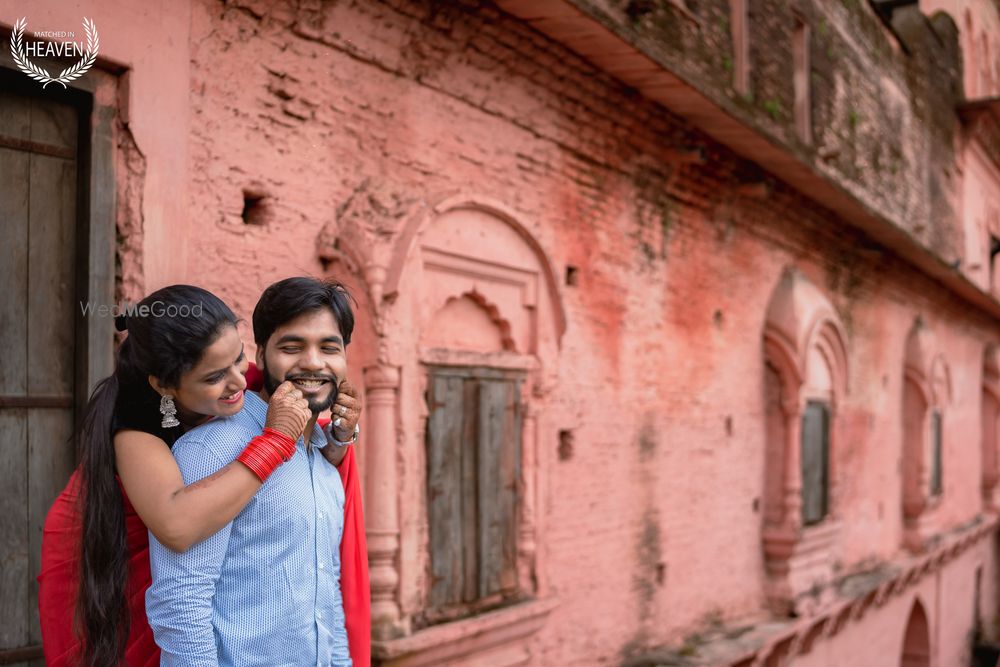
<point>265,590</point>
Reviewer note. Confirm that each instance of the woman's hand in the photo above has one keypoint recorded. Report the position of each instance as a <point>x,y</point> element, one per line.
<point>346,411</point>
<point>288,411</point>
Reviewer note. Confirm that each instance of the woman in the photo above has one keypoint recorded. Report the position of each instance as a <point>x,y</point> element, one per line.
<point>181,364</point>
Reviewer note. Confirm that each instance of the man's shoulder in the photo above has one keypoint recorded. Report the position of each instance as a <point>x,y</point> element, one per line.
<point>224,436</point>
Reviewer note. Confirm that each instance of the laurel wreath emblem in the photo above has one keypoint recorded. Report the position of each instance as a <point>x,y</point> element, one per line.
<point>70,73</point>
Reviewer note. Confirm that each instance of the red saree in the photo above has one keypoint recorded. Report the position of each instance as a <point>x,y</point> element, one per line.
<point>59,577</point>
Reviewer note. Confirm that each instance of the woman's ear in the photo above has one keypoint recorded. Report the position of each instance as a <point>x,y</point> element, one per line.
<point>157,387</point>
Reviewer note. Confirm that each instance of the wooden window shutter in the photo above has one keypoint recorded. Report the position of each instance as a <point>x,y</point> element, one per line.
<point>473,473</point>
<point>936,452</point>
<point>499,471</point>
<point>451,514</point>
<point>815,462</point>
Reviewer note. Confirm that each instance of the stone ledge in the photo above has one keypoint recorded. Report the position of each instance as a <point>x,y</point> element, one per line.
<point>767,642</point>
<point>465,639</point>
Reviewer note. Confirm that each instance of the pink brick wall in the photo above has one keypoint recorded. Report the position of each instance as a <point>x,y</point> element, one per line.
<point>651,529</point>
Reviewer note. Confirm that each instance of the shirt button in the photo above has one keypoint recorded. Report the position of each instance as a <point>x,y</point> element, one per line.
<point>321,566</point>
<point>321,515</point>
<point>319,614</point>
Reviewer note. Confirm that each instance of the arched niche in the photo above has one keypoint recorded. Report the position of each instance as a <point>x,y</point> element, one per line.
<point>475,319</point>
<point>926,395</point>
<point>468,322</point>
<point>805,379</point>
<point>916,651</point>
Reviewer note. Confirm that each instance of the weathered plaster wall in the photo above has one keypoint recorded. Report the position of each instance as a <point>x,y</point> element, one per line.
<point>652,522</point>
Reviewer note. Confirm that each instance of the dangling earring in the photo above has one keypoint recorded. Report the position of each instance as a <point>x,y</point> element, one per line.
<point>169,412</point>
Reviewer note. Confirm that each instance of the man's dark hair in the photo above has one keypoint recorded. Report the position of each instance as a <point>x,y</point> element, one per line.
<point>287,299</point>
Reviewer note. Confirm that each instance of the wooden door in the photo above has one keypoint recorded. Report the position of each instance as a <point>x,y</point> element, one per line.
<point>39,149</point>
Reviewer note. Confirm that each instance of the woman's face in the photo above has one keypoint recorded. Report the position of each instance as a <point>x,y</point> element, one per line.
<point>214,387</point>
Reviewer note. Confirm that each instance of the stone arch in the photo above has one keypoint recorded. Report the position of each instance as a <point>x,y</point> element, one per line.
<point>415,225</point>
<point>926,394</point>
<point>920,354</point>
<point>799,319</point>
<point>940,381</point>
<point>916,650</point>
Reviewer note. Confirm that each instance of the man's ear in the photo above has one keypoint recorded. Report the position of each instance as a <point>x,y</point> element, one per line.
<point>258,356</point>
<point>157,387</point>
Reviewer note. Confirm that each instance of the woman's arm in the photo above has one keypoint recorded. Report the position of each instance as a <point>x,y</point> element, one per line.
<point>182,515</point>
<point>178,515</point>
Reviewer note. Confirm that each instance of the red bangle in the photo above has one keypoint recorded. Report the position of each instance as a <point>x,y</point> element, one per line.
<point>266,452</point>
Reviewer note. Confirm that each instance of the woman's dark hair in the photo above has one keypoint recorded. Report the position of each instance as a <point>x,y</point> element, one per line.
<point>168,333</point>
<point>287,299</point>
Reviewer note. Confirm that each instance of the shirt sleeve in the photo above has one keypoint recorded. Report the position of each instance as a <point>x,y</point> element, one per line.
<point>179,602</point>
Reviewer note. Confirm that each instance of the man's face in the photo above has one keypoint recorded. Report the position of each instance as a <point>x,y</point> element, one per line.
<point>309,351</point>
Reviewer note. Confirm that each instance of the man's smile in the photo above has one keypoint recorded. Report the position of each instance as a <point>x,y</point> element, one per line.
<point>310,384</point>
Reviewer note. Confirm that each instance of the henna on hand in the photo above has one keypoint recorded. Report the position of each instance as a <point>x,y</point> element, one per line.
<point>288,411</point>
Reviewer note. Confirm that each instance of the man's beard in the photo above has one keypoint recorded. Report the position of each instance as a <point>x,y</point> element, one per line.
<point>316,406</point>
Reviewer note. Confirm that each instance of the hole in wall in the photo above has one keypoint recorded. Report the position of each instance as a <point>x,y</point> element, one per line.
<point>572,276</point>
<point>565,445</point>
<point>255,208</point>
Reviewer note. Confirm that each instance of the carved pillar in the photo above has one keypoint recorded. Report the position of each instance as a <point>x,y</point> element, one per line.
<point>780,537</point>
<point>793,463</point>
<point>381,510</point>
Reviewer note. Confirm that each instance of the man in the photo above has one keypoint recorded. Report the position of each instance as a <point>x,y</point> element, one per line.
<point>266,590</point>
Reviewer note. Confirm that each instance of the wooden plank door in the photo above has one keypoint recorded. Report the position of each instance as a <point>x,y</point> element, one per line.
<point>39,146</point>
